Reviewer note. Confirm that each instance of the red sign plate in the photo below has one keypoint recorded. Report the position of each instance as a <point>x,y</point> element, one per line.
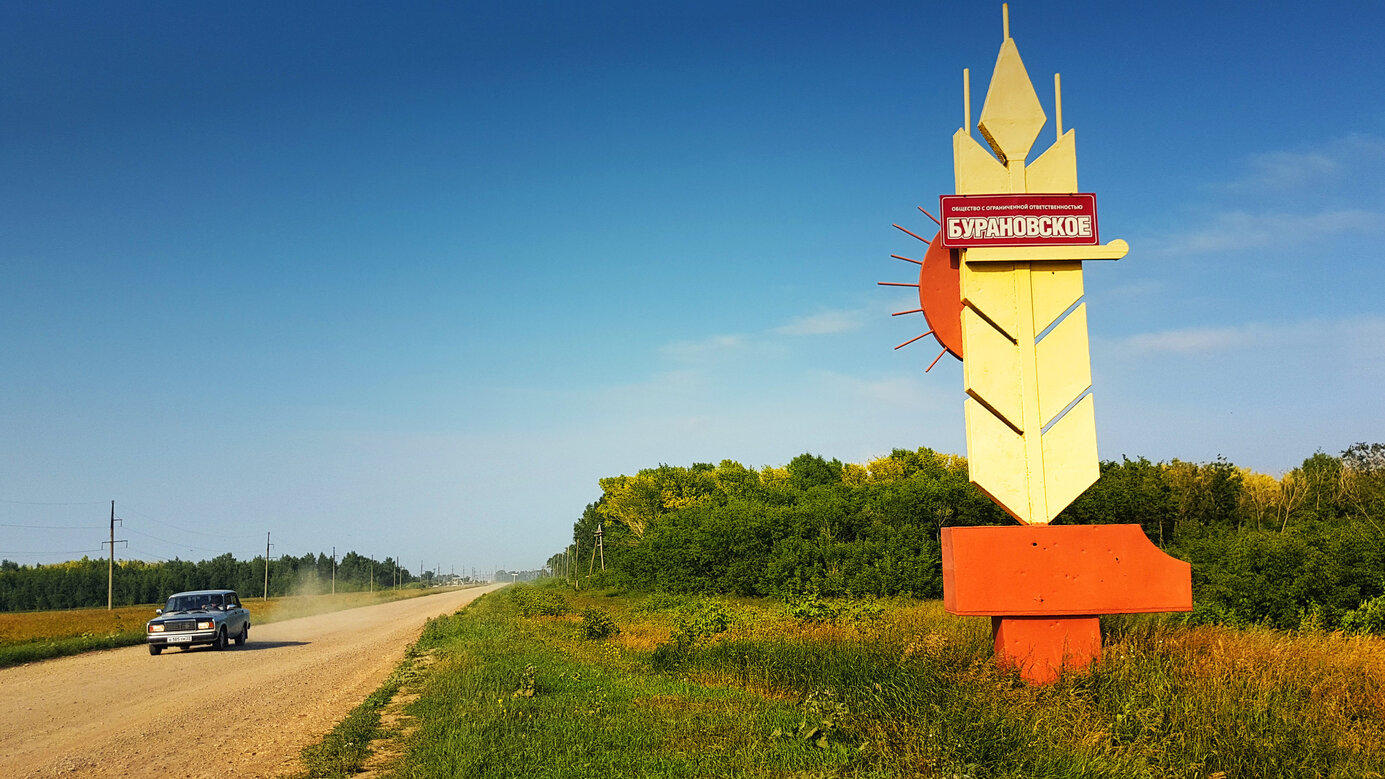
<point>1018,220</point>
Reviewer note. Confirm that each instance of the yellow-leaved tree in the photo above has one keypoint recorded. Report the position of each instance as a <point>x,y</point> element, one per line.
<point>636,501</point>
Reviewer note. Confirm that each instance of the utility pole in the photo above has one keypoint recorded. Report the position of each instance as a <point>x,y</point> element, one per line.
<point>601,545</point>
<point>110,572</point>
<point>267,545</point>
<point>334,570</point>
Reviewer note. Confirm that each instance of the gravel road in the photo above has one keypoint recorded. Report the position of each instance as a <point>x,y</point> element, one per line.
<point>245,711</point>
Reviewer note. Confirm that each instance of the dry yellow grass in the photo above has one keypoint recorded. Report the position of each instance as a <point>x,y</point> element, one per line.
<point>39,625</point>
<point>1336,680</point>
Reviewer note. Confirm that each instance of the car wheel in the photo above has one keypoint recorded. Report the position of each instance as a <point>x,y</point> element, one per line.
<point>154,650</point>
<point>220,642</point>
<point>244,635</point>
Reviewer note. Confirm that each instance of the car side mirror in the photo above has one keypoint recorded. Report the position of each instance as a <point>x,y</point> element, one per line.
<point>158,612</point>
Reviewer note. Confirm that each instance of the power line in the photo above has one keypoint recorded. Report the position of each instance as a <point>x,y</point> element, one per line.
<point>173,543</point>
<point>54,527</point>
<point>141,558</point>
<point>51,503</point>
<point>142,515</point>
<point>47,554</point>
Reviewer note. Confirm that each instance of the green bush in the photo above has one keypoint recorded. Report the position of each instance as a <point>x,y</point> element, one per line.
<point>702,619</point>
<point>699,620</point>
<point>535,602</point>
<point>662,601</point>
<point>812,608</point>
<point>1369,617</point>
<point>597,624</point>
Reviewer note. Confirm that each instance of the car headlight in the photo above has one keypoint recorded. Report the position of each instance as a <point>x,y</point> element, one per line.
<point>205,624</point>
<point>156,628</point>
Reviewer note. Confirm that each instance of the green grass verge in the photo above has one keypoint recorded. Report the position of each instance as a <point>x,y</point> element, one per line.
<point>504,699</point>
<point>740,688</point>
<point>344,750</point>
<point>44,649</point>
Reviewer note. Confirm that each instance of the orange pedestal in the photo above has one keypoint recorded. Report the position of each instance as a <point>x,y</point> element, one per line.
<point>1043,587</point>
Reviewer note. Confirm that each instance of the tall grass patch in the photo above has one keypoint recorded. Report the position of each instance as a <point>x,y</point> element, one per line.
<point>513,696</point>
<point>754,687</point>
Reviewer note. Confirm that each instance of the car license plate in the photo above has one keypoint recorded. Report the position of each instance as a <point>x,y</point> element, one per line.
<point>179,639</point>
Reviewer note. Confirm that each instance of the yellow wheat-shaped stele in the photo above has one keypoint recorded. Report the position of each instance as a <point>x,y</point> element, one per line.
<point>1031,427</point>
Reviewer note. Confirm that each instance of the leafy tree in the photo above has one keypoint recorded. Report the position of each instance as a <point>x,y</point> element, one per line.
<point>1363,482</point>
<point>809,470</point>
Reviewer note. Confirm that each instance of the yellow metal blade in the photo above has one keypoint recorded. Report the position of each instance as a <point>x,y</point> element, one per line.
<point>1011,117</point>
<point>1001,474</point>
<point>1070,458</point>
<point>1065,370</point>
<point>1055,287</point>
<point>994,378</point>
<point>1056,169</point>
<point>975,170</point>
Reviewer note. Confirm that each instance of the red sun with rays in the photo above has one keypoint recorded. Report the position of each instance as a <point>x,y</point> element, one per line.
<point>940,294</point>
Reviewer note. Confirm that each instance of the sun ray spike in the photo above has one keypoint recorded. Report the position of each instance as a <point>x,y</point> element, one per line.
<point>935,361</point>
<point>901,229</point>
<point>930,216</point>
<point>915,338</point>
<point>910,311</point>
<point>906,259</point>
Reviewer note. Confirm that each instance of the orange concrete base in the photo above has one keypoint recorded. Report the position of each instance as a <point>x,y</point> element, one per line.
<point>1060,570</point>
<point>1042,586</point>
<point>1041,648</point>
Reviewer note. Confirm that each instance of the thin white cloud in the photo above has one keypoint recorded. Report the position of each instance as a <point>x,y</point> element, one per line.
<point>1293,197</point>
<point>1324,165</point>
<point>1139,289</point>
<point>1287,170</point>
<point>896,391</point>
<point>712,349</point>
<point>822,323</point>
<point>1190,341</point>
<point>1239,230</point>
<point>704,349</point>
<point>1356,338</point>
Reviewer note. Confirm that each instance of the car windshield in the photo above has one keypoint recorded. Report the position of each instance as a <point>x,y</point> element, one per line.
<point>193,603</point>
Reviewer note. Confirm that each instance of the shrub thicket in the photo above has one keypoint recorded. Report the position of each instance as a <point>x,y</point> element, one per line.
<point>1301,550</point>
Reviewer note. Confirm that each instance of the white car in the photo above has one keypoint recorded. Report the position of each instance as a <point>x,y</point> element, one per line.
<point>199,617</point>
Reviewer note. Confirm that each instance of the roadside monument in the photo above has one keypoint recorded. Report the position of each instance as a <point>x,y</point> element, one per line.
<point>1001,289</point>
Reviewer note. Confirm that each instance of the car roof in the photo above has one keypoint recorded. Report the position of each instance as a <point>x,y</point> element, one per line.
<point>203,592</point>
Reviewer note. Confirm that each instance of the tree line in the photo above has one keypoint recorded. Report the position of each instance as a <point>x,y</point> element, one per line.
<point>1304,548</point>
<point>82,583</point>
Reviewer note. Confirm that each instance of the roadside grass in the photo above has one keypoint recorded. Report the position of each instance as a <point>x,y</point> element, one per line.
<point>38,635</point>
<point>511,696</point>
<point>344,751</point>
<point>750,688</point>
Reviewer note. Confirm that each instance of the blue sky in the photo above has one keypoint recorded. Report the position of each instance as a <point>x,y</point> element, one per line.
<point>409,278</point>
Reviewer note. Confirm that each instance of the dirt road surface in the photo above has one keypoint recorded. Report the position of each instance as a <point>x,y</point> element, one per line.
<point>245,711</point>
